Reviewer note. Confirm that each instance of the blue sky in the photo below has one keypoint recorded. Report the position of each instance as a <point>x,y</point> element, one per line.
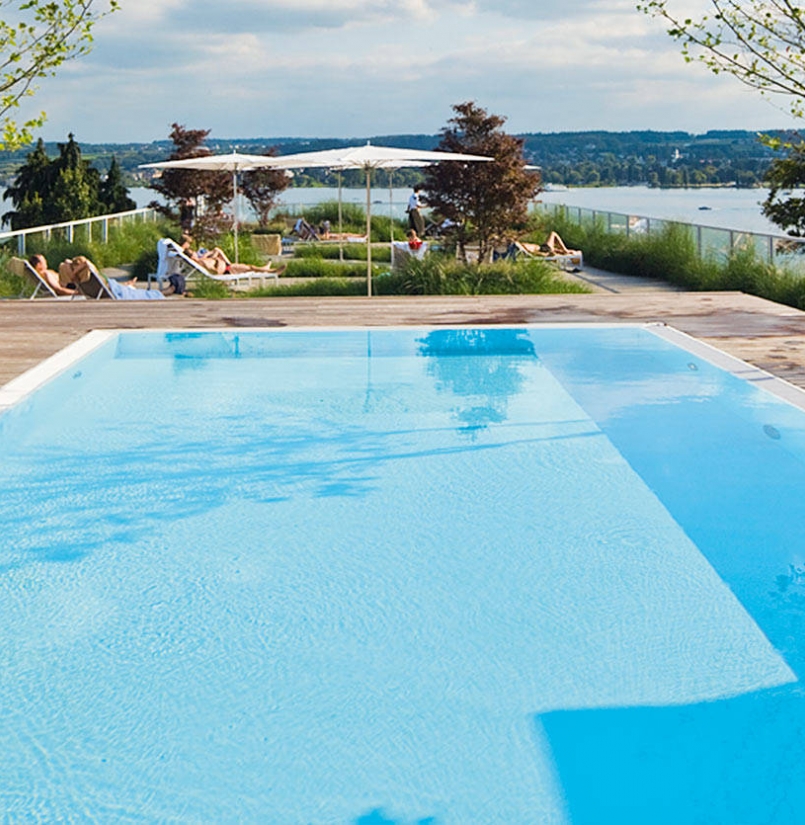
<point>350,68</point>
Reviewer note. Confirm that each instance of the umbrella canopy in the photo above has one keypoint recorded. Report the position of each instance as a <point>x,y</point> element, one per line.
<point>234,162</point>
<point>371,157</point>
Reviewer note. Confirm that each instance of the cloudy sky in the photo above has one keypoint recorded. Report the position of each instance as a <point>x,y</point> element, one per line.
<point>350,68</point>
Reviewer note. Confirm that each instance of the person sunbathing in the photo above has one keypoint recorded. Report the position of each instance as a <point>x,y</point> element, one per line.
<point>51,278</point>
<point>554,245</point>
<point>217,262</point>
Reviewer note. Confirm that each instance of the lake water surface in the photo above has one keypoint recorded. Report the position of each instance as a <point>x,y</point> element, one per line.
<point>726,208</point>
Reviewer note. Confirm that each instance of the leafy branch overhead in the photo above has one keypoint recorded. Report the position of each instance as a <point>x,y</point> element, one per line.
<point>760,42</point>
<point>36,37</point>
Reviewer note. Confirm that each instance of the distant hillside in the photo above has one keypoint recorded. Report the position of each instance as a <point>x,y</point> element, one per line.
<point>572,158</point>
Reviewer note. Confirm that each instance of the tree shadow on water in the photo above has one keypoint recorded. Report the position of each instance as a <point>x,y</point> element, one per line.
<point>481,367</point>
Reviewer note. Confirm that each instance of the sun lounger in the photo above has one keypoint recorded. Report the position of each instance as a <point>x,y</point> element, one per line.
<point>96,287</point>
<point>22,269</point>
<point>401,253</point>
<point>570,259</point>
<point>172,259</point>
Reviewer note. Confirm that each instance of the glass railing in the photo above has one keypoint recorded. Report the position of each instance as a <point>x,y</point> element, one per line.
<point>84,229</point>
<point>781,250</point>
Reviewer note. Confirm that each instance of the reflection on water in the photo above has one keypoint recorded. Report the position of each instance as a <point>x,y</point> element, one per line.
<point>478,366</point>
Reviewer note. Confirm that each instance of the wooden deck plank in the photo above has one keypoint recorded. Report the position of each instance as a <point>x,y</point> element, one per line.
<point>768,335</point>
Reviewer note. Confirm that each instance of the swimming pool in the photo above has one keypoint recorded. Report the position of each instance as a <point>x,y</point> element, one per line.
<point>414,575</point>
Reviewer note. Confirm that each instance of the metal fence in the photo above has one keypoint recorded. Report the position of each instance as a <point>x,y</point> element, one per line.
<point>100,225</point>
<point>711,241</point>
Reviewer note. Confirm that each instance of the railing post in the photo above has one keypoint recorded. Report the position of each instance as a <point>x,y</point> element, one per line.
<point>771,249</point>
<point>105,230</point>
<point>732,240</point>
<point>21,244</point>
<point>699,240</point>
<point>69,233</point>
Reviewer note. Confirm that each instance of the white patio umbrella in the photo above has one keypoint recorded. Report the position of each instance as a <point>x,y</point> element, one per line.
<point>233,162</point>
<point>371,157</point>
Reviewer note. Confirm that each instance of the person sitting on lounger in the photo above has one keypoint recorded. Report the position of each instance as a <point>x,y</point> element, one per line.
<point>414,241</point>
<point>78,270</point>
<point>51,278</point>
<point>217,262</point>
<point>84,275</point>
<point>304,230</point>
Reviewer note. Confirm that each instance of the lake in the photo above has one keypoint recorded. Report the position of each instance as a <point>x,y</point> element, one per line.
<point>726,208</point>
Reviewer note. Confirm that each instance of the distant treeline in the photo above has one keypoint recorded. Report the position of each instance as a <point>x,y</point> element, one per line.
<point>570,158</point>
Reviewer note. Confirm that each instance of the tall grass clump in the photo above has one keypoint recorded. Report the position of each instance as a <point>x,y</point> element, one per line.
<point>11,286</point>
<point>315,287</point>
<point>318,268</point>
<point>352,252</point>
<point>442,275</point>
<point>124,245</point>
<point>352,216</point>
<point>670,255</point>
<point>209,288</point>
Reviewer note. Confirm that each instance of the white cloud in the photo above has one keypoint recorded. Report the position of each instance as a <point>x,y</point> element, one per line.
<point>358,67</point>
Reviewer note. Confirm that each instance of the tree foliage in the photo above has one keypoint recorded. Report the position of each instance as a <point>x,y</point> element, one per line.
<point>113,193</point>
<point>36,37</point>
<point>760,42</point>
<point>177,185</point>
<point>261,187</point>
<point>486,200</point>
<point>67,188</point>
<point>786,175</point>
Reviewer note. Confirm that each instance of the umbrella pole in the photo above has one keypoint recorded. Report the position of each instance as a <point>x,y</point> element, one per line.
<point>235,210</point>
<point>391,212</point>
<point>340,223</point>
<point>368,231</point>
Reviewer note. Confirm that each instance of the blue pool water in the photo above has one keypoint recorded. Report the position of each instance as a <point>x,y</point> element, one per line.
<point>402,576</point>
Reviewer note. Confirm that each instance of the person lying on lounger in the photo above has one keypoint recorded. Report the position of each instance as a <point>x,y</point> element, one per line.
<point>51,278</point>
<point>554,245</point>
<point>217,262</point>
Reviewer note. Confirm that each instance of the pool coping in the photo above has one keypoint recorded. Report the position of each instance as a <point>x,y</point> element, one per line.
<point>32,379</point>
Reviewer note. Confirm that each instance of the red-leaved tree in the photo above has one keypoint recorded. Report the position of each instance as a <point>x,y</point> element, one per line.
<point>487,201</point>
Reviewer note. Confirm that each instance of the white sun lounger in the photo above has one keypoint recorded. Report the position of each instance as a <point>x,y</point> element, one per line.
<point>173,259</point>
<point>402,252</point>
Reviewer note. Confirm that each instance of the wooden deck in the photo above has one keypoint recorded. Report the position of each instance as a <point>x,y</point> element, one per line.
<point>768,335</point>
